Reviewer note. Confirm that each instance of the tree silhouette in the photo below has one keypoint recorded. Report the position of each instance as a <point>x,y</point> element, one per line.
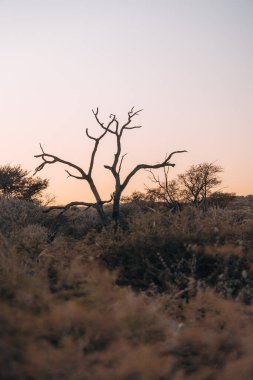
<point>195,186</point>
<point>114,128</point>
<point>199,181</point>
<point>16,183</point>
<point>166,191</point>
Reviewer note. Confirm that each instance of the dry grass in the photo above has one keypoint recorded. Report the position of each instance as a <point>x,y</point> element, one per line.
<point>64,315</point>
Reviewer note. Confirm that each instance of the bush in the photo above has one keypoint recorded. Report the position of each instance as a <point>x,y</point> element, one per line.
<point>16,183</point>
<point>63,315</point>
<point>16,214</point>
<point>170,250</point>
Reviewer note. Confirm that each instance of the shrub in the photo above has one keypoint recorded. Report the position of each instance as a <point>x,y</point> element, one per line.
<point>15,183</point>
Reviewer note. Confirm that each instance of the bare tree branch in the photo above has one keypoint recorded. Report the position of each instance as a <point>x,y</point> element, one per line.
<point>77,203</point>
<point>131,114</point>
<point>72,175</point>
<point>135,127</point>
<point>88,135</point>
<point>107,128</point>
<point>165,163</point>
<point>69,205</point>
<point>41,148</point>
<point>154,178</point>
<point>121,161</point>
<point>97,139</point>
<point>51,159</point>
<point>167,191</point>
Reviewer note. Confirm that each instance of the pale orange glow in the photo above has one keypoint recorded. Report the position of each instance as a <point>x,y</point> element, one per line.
<point>188,64</point>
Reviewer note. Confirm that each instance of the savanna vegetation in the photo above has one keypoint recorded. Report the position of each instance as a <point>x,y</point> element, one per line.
<point>16,183</point>
<point>167,295</point>
<point>170,297</point>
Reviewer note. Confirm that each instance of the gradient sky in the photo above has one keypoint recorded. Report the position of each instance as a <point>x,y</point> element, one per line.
<point>188,64</point>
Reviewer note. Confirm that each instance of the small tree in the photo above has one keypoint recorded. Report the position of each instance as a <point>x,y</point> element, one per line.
<point>16,183</point>
<point>195,186</point>
<point>198,182</point>
<point>166,191</point>
<point>113,128</point>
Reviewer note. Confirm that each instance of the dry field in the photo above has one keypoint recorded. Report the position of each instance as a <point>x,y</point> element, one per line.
<point>167,298</point>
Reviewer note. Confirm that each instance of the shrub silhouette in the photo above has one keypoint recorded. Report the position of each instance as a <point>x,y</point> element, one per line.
<point>16,183</point>
<point>196,186</point>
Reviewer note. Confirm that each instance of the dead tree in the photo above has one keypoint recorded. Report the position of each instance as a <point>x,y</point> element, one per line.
<point>82,175</point>
<point>114,128</point>
<point>167,191</point>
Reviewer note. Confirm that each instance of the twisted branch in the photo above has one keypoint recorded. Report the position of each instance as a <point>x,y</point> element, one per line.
<point>165,163</point>
<point>52,159</point>
<point>131,114</point>
<point>77,203</point>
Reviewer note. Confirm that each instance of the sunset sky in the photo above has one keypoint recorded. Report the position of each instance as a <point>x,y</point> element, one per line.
<point>188,64</point>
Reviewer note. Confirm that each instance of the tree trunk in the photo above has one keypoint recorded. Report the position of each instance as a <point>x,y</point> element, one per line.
<point>99,206</point>
<point>101,213</point>
<point>116,209</point>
